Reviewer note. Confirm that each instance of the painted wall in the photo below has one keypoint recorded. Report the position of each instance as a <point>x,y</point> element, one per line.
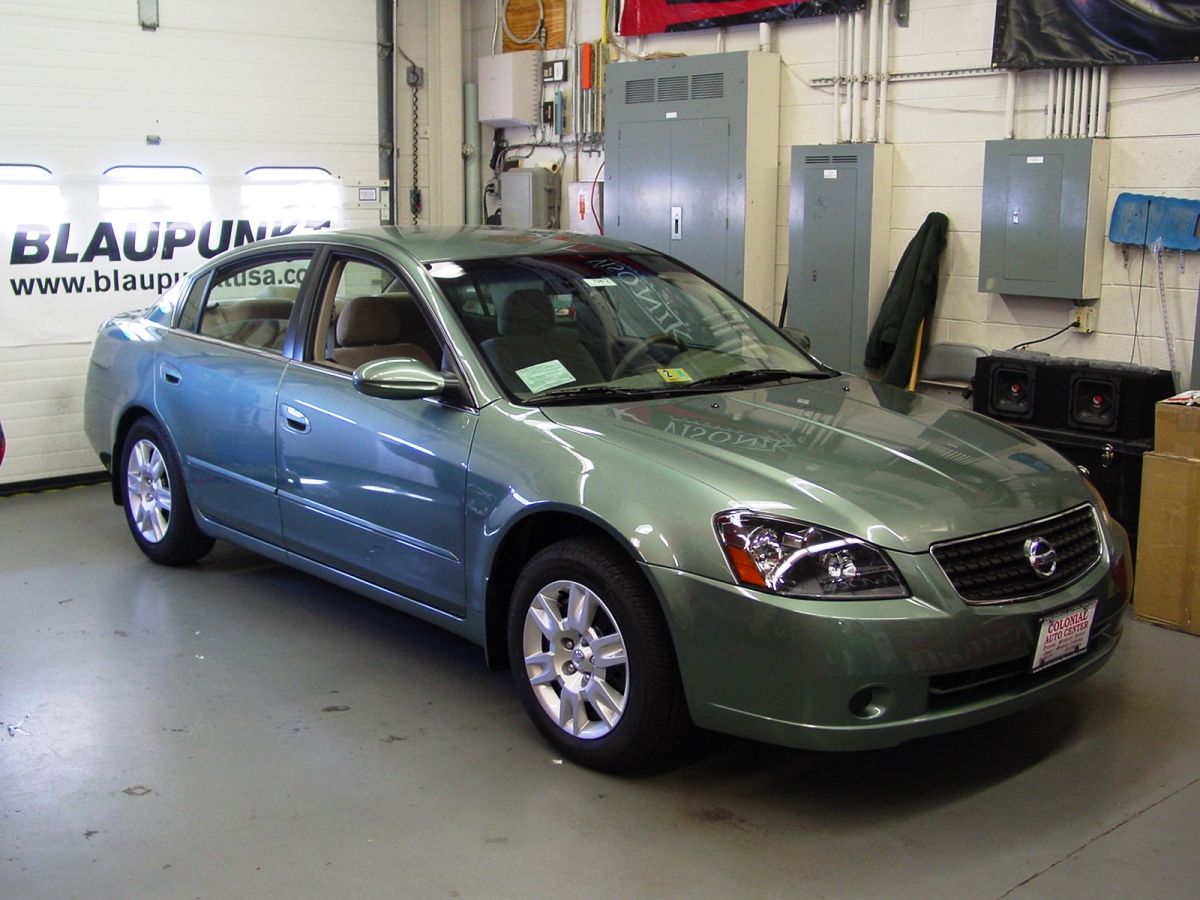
<point>225,87</point>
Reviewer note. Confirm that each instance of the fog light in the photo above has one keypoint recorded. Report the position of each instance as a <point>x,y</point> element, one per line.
<point>870,702</point>
<point>861,701</point>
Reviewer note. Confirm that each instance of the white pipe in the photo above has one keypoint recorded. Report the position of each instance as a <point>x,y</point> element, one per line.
<point>885,69</point>
<point>1051,80</point>
<point>1061,97</point>
<point>856,82</point>
<point>720,40</point>
<point>764,37</point>
<point>1010,105</point>
<point>872,70</point>
<point>1102,119</point>
<point>1093,98</point>
<point>837,80</point>
<point>1078,130</point>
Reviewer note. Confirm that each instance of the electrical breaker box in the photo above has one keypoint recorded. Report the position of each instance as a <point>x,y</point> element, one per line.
<point>839,219</point>
<point>691,156</point>
<point>1042,227</point>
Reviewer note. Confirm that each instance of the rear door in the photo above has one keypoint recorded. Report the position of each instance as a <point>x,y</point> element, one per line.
<point>216,381</point>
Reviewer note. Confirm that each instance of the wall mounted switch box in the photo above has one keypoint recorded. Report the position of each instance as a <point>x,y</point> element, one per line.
<point>1043,219</point>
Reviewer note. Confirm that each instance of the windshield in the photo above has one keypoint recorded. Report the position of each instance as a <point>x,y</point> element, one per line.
<point>556,328</point>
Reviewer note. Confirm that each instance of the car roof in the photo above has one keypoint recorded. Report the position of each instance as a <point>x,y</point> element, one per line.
<point>428,245</point>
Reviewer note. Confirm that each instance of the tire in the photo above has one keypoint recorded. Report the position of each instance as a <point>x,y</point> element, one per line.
<point>155,498</point>
<point>592,657</point>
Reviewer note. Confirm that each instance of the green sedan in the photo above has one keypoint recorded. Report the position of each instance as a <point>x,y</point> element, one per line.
<point>650,503</point>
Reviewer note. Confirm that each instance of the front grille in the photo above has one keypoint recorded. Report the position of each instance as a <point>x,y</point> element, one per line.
<point>995,568</point>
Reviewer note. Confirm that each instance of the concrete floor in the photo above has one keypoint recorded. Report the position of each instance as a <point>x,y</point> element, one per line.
<point>236,729</point>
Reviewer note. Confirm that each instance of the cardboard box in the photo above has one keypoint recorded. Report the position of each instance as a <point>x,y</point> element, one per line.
<point>1167,585</point>
<point>1177,429</point>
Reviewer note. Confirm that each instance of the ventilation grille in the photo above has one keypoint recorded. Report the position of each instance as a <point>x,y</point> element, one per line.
<point>995,568</point>
<point>827,159</point>
<point>676,88</point>
<point>708,87</point>
<point>640,90</point>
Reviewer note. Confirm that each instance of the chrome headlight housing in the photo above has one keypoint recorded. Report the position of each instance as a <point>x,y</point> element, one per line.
<point>797,559</point>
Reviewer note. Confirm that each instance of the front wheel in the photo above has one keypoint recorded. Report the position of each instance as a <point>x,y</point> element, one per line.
<point>155,498</point>
<point>592,657</point>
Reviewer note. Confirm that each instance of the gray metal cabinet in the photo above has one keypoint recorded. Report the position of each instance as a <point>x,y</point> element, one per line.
<point>838,226</point>
<point>1043,217</point>
<point>691,157</point>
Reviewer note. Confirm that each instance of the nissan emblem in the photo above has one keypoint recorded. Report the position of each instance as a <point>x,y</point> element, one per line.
<point>1042,556</point>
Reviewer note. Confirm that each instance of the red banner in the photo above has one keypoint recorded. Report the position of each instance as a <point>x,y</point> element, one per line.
<point>659,16</point>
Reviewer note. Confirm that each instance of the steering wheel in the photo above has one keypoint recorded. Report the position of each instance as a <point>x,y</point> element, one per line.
<point>642,346</point>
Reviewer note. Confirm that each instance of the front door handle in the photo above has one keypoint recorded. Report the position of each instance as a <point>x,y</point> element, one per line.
<point>294,419</point>
<point>169,373</point>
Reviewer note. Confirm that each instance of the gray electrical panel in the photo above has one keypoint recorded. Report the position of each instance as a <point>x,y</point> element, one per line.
<point>691,166</point>
<point>1042,227</point>
<point>838,223</point>
<point>529,198</point>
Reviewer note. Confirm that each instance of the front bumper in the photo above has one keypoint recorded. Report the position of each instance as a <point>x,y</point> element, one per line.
<point>858,675</point>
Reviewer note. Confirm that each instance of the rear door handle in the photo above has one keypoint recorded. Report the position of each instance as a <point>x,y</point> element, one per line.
<point>169,373</point>
<point>294,419</point>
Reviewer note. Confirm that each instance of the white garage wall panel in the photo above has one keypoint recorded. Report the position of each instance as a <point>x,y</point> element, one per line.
<point>224,86</point>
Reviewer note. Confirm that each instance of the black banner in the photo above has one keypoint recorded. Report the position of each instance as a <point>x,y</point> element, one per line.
<point>1046,34</point>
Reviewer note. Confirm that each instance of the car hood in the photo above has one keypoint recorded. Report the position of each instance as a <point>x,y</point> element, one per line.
<point>898,468</point>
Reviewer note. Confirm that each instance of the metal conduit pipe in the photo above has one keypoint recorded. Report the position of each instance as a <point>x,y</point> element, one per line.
<point>1010,105</point>
<point>386,93</point>
<point>872,70</point>
<point>855,80</point>
<point>885,68</point>
<point>1080,77</point>
<point>1102,103</point>
<point>837,80</point>
<point>472,153</point>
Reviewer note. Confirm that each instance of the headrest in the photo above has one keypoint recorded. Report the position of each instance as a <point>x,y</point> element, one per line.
<point>525,311</point>
<point>368,320</point>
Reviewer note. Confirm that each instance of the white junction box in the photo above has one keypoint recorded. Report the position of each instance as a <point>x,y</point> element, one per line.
<point>510,87</point>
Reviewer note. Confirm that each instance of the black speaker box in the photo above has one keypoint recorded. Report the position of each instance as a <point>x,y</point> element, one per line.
<point>1113,465</point>
<point>1036,389</point>
<point>1117,401</point>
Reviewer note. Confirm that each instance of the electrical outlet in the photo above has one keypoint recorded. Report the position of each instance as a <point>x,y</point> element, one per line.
<point>1082,317</point>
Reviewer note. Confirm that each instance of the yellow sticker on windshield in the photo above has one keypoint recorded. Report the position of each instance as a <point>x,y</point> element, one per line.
<point>675,375</point>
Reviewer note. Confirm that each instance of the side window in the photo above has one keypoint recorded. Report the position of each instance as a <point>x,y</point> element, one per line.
<point>251,305</point>
<point>369,313</point>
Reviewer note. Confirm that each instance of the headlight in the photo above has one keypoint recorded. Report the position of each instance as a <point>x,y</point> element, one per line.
<point>800,560</point>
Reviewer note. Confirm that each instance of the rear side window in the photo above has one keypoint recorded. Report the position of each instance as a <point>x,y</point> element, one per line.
<point>248,304</point>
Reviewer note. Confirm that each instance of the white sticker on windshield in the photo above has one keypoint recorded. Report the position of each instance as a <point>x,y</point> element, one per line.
<point>599,282</point>
<point>545,376</point>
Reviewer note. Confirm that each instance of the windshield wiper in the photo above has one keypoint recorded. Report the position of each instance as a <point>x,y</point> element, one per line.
<point>754,376</point>
<point>585,392</point>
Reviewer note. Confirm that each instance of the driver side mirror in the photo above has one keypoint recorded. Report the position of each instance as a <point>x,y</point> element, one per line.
<point>798,337</point>
<point>398,378</point>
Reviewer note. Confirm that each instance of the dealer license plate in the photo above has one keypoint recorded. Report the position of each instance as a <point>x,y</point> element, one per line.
<point>1064,634</point>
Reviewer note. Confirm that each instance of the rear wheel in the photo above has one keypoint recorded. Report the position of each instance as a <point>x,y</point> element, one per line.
<point>155,498</point>
<point>593,659</point>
